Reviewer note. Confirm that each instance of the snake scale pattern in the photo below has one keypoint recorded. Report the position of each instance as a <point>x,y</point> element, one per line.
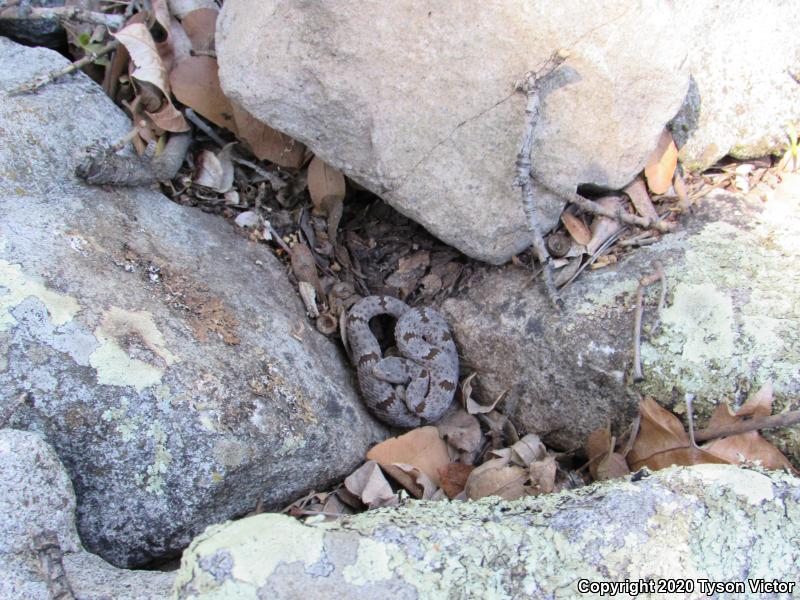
<point>416,387</point>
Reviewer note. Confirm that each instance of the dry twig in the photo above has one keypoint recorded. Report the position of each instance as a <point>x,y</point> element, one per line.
<point>786,419</point>
<point>34,85</point>
<point>64,13</point>
<point>619,214</point>
<point>531,86</point>
<point>659,275</point>
<point>51,565</point>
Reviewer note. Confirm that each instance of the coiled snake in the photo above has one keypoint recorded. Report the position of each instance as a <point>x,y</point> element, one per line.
<point>416,387</point>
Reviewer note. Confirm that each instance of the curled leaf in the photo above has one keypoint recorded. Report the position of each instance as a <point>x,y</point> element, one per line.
<point>421,448</point>
<point>662,163</point>
<point>370,486</point>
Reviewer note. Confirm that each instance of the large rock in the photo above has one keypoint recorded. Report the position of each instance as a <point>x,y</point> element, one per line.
<point>744,95</point>
<point>714,523</point>
<point>36,497</point>
<point>415,101</point>
<point>732,323</point>
<point>167,359</point>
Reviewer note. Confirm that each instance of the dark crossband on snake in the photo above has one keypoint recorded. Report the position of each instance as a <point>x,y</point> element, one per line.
<point>417,386</point>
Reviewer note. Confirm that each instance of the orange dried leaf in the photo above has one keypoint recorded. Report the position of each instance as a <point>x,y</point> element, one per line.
<point>684,457</point>
<point>267,143</point>
<point>421,448</point>
<point>421,485</point>
<point>453,478</point>
<point>195,82</point>
<point>200,25</point>
<point>370,486</point>
<point>612,466</point>
<point>597,446</point>
<point>637,192</point>
<point>496,478</point>
<point>543,475</point>
<point>662,163</point>
<point>576,228</point>
<point>169,118</point>
<point>324,182</point>
<point>659,431</point>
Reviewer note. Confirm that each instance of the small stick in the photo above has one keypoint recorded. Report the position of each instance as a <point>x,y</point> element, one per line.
<point>659,275</point>
<point>67,13</point>
<point>531,86</point>
<point>78,64</point>
<point>786,419</point>
<point>51,565</point>
<point>690,416</point>
<point>619,214</point>
<point>203,126</point>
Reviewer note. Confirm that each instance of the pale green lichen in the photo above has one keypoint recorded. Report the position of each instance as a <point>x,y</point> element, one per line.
<point>372,563</point>
<point>256,545</point>
<point>695,523</point>
<point>161,460</point>
<point>126,426</point>
<point>19,286</point>
<point>114,365</point>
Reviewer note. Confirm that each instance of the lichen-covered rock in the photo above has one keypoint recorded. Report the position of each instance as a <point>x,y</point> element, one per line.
<point>415,101</point>
<point>167,359</point>
<point>714,523</point>
<point>744,95</point>
<point>732,322</point>
<point>37,496</point>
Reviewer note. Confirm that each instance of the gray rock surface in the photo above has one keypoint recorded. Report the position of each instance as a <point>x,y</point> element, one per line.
<point>167,359</point>
<point>732,322</point>
<point>37,495</point>
<point>415,101</point>
<point>712,522</point>
<point>745,89</point>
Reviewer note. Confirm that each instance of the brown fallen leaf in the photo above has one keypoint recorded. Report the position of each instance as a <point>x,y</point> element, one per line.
<point>662,163</point>
<point>497,478</point>
<point>528,450</point>
<point>750,446</point>
<point>453,478</point>
<point>195,83</point>
<point>215,171</point>
<point>596,447</point>
<point>679,185</point>
<point>576,228</point>
<point>461,430</point>
<point>370,486</point>
<point>662,441</point>
<point>543,475</point>
<point>603,227</point>
<point>267,143</point>
<point>200,26</point>
<point>470,405</point>
<point>304,267</point>
<point>637,192</point>
<point>422,487</point>
<point>324,182</point>
<point>421,448</point>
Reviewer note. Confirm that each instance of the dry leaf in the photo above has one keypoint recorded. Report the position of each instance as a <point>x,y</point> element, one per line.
<point>528,450</point>
<point>267,143</point>
<point>209,170</point>
<point>496,478</point>
<point>472,407</point>
<point>461,430</point>
<point>637,192</point>
<point>304,267</point>
<point>161,13</point>
<point>662,163</point>
<point>453,478</point>
<point>680,189</point>
<point>323,182</point>
<point>576,228</point>
<point>142,49</point>
<point>422,487</point>
<point>195,83</point>
<point>750,446</point>
<point>662,441</point>
<point>422,448</point>
<point>368,483</point>
<point>603,227</point>
<point>543,475</point>
<point>200,26</point>
<point>597,446</point>
<point>612,466</point>
<point>169,118</point>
